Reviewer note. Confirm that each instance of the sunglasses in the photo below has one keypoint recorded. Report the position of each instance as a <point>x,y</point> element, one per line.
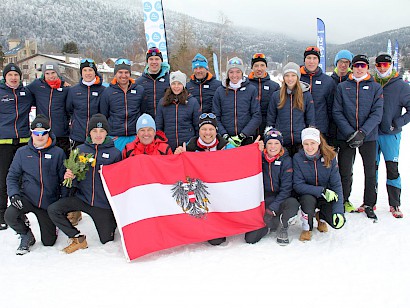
<point>40,132</point>
<point>87,60</point>
<point>259,56</point>
<point>123,61</point>
<point>236,61</point>
<point>207,115</point>
<point>312,48</point>
<point>383,64</point>
<point>360,64</point>
<point>154,51</point>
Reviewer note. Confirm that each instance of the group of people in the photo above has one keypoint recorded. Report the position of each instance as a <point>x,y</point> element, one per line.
<point>308,131</point>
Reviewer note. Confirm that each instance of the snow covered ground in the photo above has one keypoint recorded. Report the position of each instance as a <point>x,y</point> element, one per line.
<point>365,264</point>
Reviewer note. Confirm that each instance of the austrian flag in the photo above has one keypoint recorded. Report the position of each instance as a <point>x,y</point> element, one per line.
<point>161,202</point>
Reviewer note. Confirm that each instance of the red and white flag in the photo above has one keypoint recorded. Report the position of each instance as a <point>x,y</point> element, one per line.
<point>161,202</point>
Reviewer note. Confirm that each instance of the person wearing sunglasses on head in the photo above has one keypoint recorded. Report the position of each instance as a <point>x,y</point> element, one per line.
<point>357,112</point>
<point>154,80</point>
<point>50,97</point>
<point>396,95</point>
<point>291,109</point>
<point>178,112</point>
<point>202,84</point>
<point>260,78</point>
<point>34,182</point>
<point>342,62</point>
<point>322,88</point>
<point>121,103</point>
<point>237,111</point>
<point>16,104</point>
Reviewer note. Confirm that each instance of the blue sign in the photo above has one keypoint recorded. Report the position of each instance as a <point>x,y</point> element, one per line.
<point>147,6</point>
<point>156,37</point>
<point>162,46</point>
<point>158,6</point>
<point>154,16</point>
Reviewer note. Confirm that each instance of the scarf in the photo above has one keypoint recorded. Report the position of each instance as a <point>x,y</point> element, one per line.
<point>235,85</point>
<point>54,84</point>
<point>89,83</point>
<point>359,79</point>
<point>207,146</point>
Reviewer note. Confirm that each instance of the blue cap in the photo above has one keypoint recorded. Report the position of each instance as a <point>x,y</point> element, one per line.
<point>145,120</point>
<point>343,54</point>
<point>199,61</point>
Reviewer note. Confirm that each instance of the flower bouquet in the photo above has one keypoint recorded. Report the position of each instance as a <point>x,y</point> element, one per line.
<point>78,163</point>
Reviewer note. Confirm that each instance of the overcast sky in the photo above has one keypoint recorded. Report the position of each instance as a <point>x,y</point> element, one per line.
<point>345,21</point>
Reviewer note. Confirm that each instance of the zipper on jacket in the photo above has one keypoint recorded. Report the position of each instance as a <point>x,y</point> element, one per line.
<point>270,177</point>
<point>94,168</point>
<point>357,105</point>
<point>17,112</point>
<point>41,180</point>
<point>88,111</point>
<point>49,105</point>
<point>176,123</point>
<point>291,118</point>
<point>235,114</point>
<point>316,175</point>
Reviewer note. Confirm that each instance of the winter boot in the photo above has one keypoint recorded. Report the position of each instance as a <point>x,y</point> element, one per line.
<point>27,240</point>
<point>321,225</point>
<point>305,236</point>
<point>79,242</point>
<point>3,225</point>
<point>369,212</point>
<point>282,235</point>
<point>395,211</point>
<point>349,207</point>
<point>362,208</point>
<point>74,217</point>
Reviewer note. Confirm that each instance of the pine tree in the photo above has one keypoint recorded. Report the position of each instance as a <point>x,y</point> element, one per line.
<point>70,47</point>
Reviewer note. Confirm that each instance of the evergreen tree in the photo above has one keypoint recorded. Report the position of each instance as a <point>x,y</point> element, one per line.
<point>1,57</point>
<point>70,47</point>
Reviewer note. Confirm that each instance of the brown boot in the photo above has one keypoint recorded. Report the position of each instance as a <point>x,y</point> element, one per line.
<point>321,226</point>
<point>76,243</point>
<point>305,236</point>
<point>74,217</point>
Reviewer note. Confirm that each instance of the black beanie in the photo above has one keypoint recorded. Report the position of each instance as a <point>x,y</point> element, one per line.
<point>360,58</point>
<point>98,121</point>
<point>88,63</point>
<point>11,67</point>
<point>311,51</point>
<point>154,51</point>
<point>253,61</point>
<point>41,121</point>
<point>206,119</point>
<point>384,58</point>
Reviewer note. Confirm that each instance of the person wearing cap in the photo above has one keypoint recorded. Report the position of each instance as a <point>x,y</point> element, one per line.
<point>121,103</point>
<point>149,140</point>
<point>90,195</point>
<point>33,183</point>
<point>237,111</point>
<point>321,85</point>
<point>16,102</point>
<point>316,180</point>
<point>178,112</point>
<point>291,109</point>
<point>277,183</point>
<point>154,80</point>
<point>396,95</point>
<point>50,97</point>
<point>260,78</point>
<point>202,84</point>
<point>343,60</point>
<point>357,112</point>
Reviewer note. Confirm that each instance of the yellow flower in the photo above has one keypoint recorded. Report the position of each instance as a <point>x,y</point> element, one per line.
<point>82,159</point>
<point>93,163</point>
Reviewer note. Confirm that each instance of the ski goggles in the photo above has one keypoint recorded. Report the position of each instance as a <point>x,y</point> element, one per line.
<point>154,51</point>
<point>207,115</point>
<point>87,60</point>
<point>236,61</point>
<point>359,64</point>
<point>123,61</point>
<point>259,56</point>
<point>199,59</point>
<point>313,48</point>
<point>40,132</point>
<point>383,64</point>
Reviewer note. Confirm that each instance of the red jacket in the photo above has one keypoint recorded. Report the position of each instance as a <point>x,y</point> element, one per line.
<point>158,147</point>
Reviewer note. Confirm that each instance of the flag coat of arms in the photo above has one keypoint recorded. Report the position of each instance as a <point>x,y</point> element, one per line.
<point>161,202</point>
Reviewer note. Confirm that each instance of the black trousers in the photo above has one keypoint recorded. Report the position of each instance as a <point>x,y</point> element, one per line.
<point>288,209</point>
<point>346,160</point>
<point>103,218</point>
<point>7,152</point>
<point>310,203</point>
<point>64,143</point>
<point>13,217</point>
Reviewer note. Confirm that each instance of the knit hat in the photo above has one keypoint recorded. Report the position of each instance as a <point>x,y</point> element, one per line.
<point>311,133</point>
<point>208,118</point>
<point>291,67</point>
<point>258,57</point>
<point>177,76</point>
<point>343,54</point>
<point>271,133</point>
<point>11,67</point>
<point>122,64</point>
<point>154,51</point>
<point>235,62</point>
<point>145,120</point>
<point>41,121</point>
<point>384,58</point>
<point>199,61</point>
<point>50,66</point>
<point>88,63</point>
<point>360,58</point>
<point>98,120</point>
<point>312,50</point>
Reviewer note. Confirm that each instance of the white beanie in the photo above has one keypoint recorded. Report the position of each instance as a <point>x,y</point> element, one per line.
<point>311,133</point>
<point>291,67</point>
<point>177,76</point>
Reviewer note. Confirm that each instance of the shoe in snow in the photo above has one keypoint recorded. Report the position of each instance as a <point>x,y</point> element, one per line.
<point>3,225</point>
<point>395,211</point>
<point>282,235</point>
<point>321,225</point>
<point>370,213</point>
<point>349,208</point>
<point>26,241</point>
<point>76,243</point>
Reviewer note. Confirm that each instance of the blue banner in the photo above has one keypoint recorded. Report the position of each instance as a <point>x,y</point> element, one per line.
<point>216,69</point>
<point>389,47</point>
<point>321,43</point>
<point>396,57</point>
<point>154,24</point>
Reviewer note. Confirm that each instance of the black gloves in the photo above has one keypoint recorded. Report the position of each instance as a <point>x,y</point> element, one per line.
<point>16,202</point>
<point>355,140</point>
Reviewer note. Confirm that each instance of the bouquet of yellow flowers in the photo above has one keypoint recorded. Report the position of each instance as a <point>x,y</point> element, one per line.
<point>78,163</point>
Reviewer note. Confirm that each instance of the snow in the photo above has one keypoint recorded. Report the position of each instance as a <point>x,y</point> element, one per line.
<point>364,264</point>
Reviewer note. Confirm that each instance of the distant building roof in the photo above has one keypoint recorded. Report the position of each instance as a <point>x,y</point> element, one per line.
<point>14,50</point>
